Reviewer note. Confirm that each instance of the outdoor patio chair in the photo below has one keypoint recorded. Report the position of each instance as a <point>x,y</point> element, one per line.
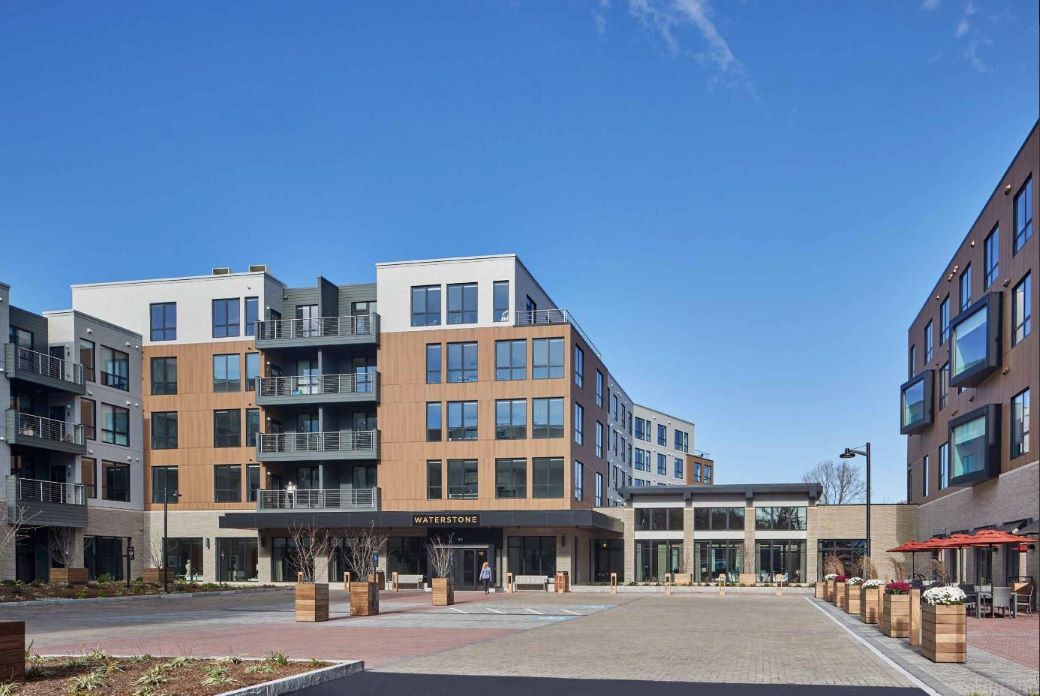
<point>1023,596</point>
<point>1001,599</point>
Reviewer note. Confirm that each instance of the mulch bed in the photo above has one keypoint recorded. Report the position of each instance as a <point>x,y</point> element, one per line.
<point>97,674</point>
<point>24,592</point>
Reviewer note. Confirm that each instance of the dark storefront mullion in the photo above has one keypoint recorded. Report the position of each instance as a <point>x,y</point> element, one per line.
<point>104,556</point>
<point>532,555</point>
<point>848,551</point>
<point>780,557</point>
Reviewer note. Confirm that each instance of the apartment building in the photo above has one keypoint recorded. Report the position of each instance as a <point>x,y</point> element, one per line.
<point>663,451</point>
<point>973,370</point>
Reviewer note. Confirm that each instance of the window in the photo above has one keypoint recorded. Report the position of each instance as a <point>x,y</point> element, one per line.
<point>718,518</point>
<point>965,296</point>
<point>88,475</point>
<point>510,419</point>
<point>1021,309</point>
<point>658,519</point>
<point>925,474</point>
<point>252,482</point>
<point>547,477</point>
<point>1020,424</point>
<point>88,418</point>
<point>974,342</point>
<point>662,464</point>
<point>1023,214</point>
<point>115,368</point>
<point>252,370</point>
<point>434,423</point>
<point>677,470</point>
<point>975,445</point>
<point>599,489</point>
<point>547,358</point>
<point>225,318</point>
<point>944,465</point>
<point>916,396</point>
<point>227,483</point>
<point>426,305</point>
<point>613,406</point>
<point>163,321</point>
<point>782,518</point>
<point>579,424</point>
<point>115,425</point>
<point>642,429</point>
<point>696,472</point>
<point>599,388</point>
<point>912,359</point>
<point>434,480</point>
<point>943,328</point>
<point>433,363</point>
<point>115,484</point>
<point>546,418</point>
<point>579,366</point>
<point>164,430</point>
<point>662,435</point>
<point>164,484</point>
<point>462,478</point>
<point>462,362</point>
<point>86,358</point>
<point>707,473</point>
<point>579,480</point>
<point>848,551</point>
<point>252,426</point>
<point>501,300</point>
<point>510,360</point>
<point>682,440</point>
<point>164,376</point>
<point>462,421</point>
<point>944,385</point>
<point>252,315</point>
<point>641,463</point>
<point>532,555</point>
<point>510,478</point>
<point>991,255</point>
<point>462,303</point>
<point>599,439</point>
<point>227,428</point>
<point>928,342</point>
<point>227,373</point>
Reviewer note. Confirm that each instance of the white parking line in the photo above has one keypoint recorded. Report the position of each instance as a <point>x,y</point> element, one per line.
<point>571,612</point>
<point>458,610</point>
<point>495,610</point>
<point>532,611</point>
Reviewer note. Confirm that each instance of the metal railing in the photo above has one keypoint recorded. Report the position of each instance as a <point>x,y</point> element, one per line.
<point>317,327</point>
<point>532,317</point>
<point>28,425</point>
<point>28,360</point>
<point>318,499</point>
<point>330,441</point>
<point>317,385</point>
<point>39,491</point>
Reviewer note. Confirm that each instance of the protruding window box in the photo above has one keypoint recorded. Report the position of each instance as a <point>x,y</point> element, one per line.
<point>916,405</point>
<point>975,342</point>
<point>975,446</point>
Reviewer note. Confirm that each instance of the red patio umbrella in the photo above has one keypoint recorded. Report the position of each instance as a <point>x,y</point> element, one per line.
<point>993,537</point>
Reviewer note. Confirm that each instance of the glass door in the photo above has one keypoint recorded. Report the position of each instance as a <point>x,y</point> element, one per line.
<point>308,314</point>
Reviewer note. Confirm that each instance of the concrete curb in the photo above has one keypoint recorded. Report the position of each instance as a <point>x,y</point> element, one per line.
<point>101,600</point>
<point>660,589</point>
<point>297,682</point>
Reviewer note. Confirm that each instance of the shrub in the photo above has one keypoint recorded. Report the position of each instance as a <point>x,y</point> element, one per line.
<point>897,588</point>
<point>840,578</point>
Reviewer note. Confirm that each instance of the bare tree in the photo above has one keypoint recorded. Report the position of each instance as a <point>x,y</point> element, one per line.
<point>155,552</point>
<point>440,553</point>
<point>308,544</point>
<point>866,569</point>
<point>935,569</point>
<point>832,565</point>
<point>361,550</point>
<point>62,542</point>
<point>17,520</point>
<point>842,482</point>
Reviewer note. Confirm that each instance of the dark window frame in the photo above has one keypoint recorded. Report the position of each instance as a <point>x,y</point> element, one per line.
<point>164,330</point>
<point>233,436</point>
<point>511,478</point>
<point>221,317</point>
<point>162,439</point>
<point>463,294</point>
<point>230,491</point>
<point>160,479</point>
<point>164,383</point>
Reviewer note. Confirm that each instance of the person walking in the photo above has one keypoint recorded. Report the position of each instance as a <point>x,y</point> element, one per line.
<point>485,577</point>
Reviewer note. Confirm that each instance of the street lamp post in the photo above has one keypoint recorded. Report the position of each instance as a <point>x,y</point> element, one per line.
<point>166,533</point>
<point>850,453</point>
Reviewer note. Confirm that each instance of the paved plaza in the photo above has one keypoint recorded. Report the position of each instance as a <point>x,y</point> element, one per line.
<point>534,642</point>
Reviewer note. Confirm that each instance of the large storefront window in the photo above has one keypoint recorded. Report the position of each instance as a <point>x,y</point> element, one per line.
<point>284,565</point>
<point>237,559</point>
<point>659,519</point>
<point>406,556</point>
<point>780,518</point>
<point>181,552</point>
<point>848,551</point>
<point>715,558</point>
<point>532,555</point>
<point>104,556</point>
<point>655,559</point>
<point>780,560</point>
<point>718,518</point>
<point>608,557</point>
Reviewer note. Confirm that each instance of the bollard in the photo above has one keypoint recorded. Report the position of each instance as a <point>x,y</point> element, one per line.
<point>668,589</point>
<point>613,583</point>
<point>346,581</point>
<point>915,617</point>
<point>394,582</point>
<point>509,583</point>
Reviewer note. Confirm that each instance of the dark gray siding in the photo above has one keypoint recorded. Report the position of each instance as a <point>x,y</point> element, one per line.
<point>365,292</point>
<point>31,322</point>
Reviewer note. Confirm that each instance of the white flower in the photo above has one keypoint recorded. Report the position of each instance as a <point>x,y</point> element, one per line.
<point>940,596</point>
<point>854,581</point>
<point>830,576</point>
<point>872,583</point>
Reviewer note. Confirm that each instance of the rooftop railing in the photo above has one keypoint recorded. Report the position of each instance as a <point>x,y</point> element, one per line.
<point>317,327</point>
<point>317,385</point>
<point>331,441</point>
<point>28,425</point>
<point>318,499</point>
<point>533,317</point>
<point>28,360</point>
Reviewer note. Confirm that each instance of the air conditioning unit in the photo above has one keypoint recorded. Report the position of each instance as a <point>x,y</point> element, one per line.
<point>223,270</point>
<point>258,268</point>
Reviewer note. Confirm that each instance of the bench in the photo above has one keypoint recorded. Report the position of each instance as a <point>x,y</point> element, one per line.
<point>418,581</point>
<point>538,580</point>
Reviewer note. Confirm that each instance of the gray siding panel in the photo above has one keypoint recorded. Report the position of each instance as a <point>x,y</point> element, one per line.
<point>329,294</point>
<point>31,322</point>
<point>364,292</point>
<point>295,297</point>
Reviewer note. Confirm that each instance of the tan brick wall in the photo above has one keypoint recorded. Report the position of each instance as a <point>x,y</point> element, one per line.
<point>627,517</point>
<point>890,525</point>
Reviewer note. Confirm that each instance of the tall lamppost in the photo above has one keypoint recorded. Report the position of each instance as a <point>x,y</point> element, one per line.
<point>850,453</point>
<point>166,532</point>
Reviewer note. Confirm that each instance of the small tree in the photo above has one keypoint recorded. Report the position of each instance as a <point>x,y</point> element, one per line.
<point>61,544</point>
<point>441,554</point>
<point>17,520</point>
<point>155,552</point>
<point>308,544</point>
<point>361,550</point>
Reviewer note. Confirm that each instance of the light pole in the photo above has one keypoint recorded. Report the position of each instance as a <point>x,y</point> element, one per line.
<point>166,533</point>
<point>865,452</point>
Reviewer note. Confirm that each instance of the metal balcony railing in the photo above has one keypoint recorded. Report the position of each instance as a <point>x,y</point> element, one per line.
<point>532,317</point>
<point>39,491</point>
<point>317,385</point>
<point>331,441</point>
<point>28,425</point>
<point>317,327</point>
<point>319,499</point>
<point>28,360</point>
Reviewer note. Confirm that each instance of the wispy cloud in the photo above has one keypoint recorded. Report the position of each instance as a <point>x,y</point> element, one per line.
<point>967,33</point>
<point>930,4</point>
<point>964,25</point>
<point>599,15</point>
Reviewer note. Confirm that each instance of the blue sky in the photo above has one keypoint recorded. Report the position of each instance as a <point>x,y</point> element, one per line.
<point>744,203</point>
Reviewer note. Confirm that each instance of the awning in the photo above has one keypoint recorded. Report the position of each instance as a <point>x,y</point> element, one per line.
<point>1031,529</point>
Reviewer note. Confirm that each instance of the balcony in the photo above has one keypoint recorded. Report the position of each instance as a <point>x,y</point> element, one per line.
<point>319,331</point>
<point>45,433</point>
<point>325,446</point>
<point>43,370</point>
<point>47,503</point>
<point>317,389</point>
<point>540,317</point>
<point>346,499</point>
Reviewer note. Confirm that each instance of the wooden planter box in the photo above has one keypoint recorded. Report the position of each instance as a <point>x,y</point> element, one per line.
<point>868,604</point>
<point>944,633</point>
<point>364,598</point>
<point>153,576</point>
<point>896,612</point>
<point>839,595</point>
<point>443,592</point>
<point>821,589</point>
<point>829,587</point>
<point>683,579</point>
<point>12,651</point>
<point>69,576</point>
<point>852,599</point>
<point>312,601</point>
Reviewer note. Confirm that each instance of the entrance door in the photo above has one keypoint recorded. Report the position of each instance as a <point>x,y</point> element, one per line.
<point>466,565</point>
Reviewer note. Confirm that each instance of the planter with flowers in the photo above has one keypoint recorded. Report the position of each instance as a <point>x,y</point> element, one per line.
<point>852,597</point>
<point>895,610</point>
<point>944,626</point>
<point>869,598</point>
<point>829,580</point>
<point>839,591</point>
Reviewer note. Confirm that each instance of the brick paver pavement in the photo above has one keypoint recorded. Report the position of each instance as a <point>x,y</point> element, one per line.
<point>1015,639</point>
